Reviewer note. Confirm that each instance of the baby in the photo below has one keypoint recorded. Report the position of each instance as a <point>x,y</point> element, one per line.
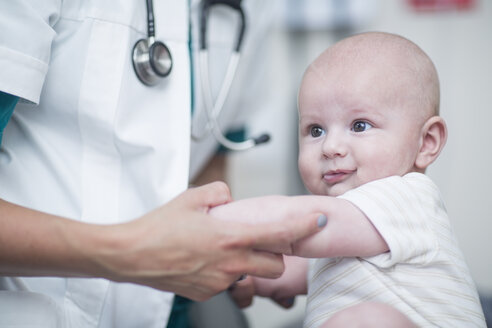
<point>369,126</point>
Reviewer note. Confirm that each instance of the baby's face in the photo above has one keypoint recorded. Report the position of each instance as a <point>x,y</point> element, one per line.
<point>355,126</point>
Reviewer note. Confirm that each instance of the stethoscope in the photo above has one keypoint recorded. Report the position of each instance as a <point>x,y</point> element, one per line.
<point>152,61</point>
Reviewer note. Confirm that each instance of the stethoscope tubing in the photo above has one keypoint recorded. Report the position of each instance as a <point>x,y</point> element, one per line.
<point>149,67</point>
<point>235,5</point>
<point>150,19</point>
<point>213,109</point>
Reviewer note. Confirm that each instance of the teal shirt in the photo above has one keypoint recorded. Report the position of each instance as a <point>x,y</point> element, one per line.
<point>179,313</point>
<point>7,105</point>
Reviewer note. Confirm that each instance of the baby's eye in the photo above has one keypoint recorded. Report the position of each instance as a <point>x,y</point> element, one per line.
<point>360,126</point>
<point>316,131</point>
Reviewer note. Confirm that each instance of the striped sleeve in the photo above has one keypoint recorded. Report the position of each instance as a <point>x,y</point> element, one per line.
<point>394,208</point>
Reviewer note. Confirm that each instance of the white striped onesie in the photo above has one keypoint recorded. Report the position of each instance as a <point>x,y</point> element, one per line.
<point>423,275</point>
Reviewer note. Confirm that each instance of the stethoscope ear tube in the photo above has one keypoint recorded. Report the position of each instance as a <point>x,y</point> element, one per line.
<point>234,4</point>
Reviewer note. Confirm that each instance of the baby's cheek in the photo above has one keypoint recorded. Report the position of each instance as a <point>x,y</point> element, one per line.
<point>305,169</point>
<point>311,180</point>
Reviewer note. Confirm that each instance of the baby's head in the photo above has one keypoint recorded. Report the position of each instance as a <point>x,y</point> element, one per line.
<point>368,109</point>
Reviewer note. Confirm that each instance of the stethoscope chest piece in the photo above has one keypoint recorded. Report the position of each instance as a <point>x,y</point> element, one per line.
<point>151,63</point>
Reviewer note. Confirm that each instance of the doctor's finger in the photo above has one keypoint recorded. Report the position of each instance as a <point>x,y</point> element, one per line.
<point>209,195</point>
<point>279,237</point>
<point>263,264</point>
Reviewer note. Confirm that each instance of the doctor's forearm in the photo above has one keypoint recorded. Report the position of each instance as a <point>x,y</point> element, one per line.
<point>38,244</point>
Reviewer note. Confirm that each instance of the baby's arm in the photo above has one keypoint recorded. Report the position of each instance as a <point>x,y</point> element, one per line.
<point>347,233</point>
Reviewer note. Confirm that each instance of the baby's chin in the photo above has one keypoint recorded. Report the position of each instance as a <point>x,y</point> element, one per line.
<point>336,193</point>
<point>332,191</point>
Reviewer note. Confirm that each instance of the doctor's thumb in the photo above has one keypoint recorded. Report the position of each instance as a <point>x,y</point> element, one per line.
<point>311,225</point>
<point>211,194</point>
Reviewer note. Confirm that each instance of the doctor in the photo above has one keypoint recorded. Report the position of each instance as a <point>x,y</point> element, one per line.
<point>97,228</point>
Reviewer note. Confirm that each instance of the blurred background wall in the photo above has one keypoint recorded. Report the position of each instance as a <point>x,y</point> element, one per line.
<point>459,41</point>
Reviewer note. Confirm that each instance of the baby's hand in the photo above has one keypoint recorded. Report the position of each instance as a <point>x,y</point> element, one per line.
<point>242,292</point>
<point>282,290</point>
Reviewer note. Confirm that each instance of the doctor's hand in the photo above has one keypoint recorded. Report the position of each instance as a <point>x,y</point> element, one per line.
<point>180,248</point>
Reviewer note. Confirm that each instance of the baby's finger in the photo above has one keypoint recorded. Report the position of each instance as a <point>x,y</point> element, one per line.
<point>286,303</point>
<point>242,292</point>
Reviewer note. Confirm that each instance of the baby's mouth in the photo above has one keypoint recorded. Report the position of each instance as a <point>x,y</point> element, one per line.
<point>332,177</point>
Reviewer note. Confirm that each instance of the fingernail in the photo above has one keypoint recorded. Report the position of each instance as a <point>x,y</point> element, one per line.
<point>322,220</point>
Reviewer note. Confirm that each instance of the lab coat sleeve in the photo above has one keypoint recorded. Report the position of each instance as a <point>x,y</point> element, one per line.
<point>26,34</point>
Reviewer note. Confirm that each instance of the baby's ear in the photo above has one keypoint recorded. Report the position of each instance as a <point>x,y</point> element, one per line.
<point>434,135</point>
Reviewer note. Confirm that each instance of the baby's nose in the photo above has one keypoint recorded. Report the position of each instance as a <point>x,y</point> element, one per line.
<point>334,145</point>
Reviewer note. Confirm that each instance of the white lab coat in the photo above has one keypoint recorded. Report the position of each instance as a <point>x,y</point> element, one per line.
<point>89,141</point>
